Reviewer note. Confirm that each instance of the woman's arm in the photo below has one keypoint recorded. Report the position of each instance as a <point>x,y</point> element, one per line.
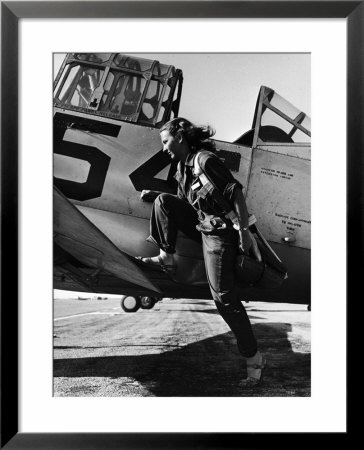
<point>240,209</point>
<point>247,240</point>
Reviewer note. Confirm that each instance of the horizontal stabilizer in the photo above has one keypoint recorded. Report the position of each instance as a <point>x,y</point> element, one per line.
<point>84,241</point>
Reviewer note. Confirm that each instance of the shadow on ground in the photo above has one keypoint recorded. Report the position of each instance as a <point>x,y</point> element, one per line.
<point>211,367</point>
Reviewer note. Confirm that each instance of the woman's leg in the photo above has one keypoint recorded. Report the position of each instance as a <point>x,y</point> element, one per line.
<point>220,253</point>
<point>170,214</point>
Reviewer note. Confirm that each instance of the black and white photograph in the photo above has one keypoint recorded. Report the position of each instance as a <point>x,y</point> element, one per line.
<point>176,261</point>
<point>181,224</point>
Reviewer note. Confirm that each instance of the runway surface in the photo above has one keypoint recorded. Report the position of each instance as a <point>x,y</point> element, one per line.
<point>180,348</point>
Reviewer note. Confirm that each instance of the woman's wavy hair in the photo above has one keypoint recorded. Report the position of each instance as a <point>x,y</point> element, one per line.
<point>197,137</point>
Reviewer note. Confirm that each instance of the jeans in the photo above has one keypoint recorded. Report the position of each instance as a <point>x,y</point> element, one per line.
<point>170,214</point>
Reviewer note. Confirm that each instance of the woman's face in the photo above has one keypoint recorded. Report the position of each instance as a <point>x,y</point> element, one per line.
<point>175,146</point>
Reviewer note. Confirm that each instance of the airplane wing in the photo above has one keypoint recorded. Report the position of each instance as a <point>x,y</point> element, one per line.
<point>75,234</point>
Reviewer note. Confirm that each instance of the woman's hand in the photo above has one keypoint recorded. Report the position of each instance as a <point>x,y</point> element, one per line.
<point>248,244</point>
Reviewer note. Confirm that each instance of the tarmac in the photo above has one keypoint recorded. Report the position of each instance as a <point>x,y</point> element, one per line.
<point>180,348</point>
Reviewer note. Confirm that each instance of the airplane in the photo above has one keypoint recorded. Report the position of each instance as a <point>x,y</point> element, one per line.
<point>109,167</point>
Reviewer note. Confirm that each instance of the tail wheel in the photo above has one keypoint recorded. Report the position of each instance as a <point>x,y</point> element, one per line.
<point>147,302</point>
<point>130,303</point>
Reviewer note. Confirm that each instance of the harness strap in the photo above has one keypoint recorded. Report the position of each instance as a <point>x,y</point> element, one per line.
<point>231,215</point>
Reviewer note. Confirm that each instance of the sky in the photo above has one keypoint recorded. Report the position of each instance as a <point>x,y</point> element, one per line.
<point>221,89</point>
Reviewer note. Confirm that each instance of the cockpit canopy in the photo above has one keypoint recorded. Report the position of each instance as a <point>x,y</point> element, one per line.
<point>276,120</point>
<point>119,86</point>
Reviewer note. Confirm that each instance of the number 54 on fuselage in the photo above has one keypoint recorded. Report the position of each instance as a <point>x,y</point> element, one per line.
<point>109,165</point>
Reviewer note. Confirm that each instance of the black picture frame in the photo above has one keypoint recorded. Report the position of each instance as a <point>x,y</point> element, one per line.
<point>11,12</point>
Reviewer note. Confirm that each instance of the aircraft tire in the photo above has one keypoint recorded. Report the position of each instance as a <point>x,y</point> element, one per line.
<point>129,303</point>
<point>147,302</point>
